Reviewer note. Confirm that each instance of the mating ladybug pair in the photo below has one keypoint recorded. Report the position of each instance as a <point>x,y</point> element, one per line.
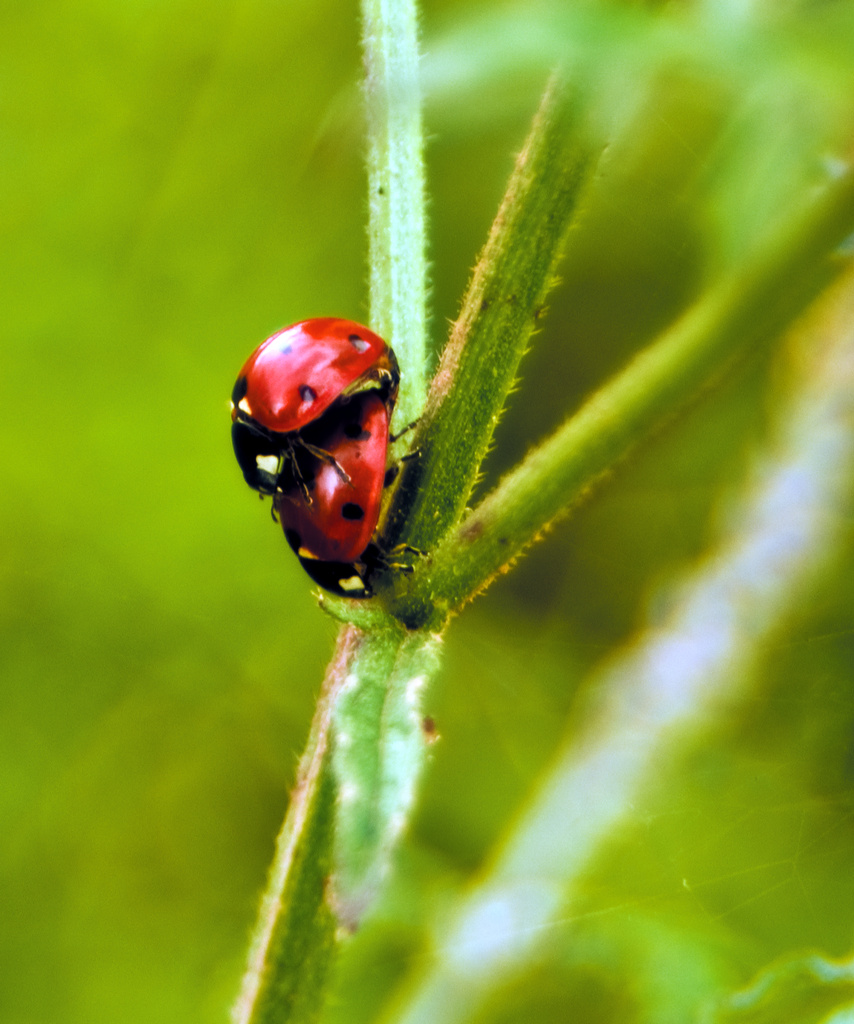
<point>310,414</point>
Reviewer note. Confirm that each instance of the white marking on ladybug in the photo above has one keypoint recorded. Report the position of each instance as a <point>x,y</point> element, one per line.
<point>245,406</point>
<point>267,463</point>
<point>351,584</point>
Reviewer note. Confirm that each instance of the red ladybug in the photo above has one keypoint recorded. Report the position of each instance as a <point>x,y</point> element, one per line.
<point>310,425</point>
<point>329,500</point>
<point>296,374</point>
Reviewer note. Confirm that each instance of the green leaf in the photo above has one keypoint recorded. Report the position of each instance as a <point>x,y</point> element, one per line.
<point>378,756</point>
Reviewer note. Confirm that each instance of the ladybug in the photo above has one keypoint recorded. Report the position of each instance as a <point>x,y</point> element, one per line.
<point>296,374</point>
<point>330,494</point>
<point>310,426</point>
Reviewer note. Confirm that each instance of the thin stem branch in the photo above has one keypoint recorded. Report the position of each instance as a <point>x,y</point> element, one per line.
<point>396,192</point>
<point>500,310</point>
<point>743,312</point>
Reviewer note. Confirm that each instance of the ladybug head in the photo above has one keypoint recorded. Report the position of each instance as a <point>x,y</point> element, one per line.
<point>258,455</point>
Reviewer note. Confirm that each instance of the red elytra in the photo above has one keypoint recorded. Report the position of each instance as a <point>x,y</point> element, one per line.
<point>330,518</point>
<point>294,376</point>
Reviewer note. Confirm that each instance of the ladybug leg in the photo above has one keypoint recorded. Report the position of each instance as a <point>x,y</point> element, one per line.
<point>396,437</point>
<point>404,549</point>
<point>416,452</point>
<point>393,471</point>
<point>403,567</point>
<point>330,460</point>
<point>391,559</point>
<point>289,458</point>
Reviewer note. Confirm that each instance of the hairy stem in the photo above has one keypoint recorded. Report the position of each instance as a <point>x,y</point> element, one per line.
<point>744,311</point>
<point>500,310</point>
<point>396,192</point>
<point>295,935</point>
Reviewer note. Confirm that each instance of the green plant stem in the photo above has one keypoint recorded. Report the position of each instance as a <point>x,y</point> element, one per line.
<point>744,311</point>
<point>295,936</point>
<point>396,192</point>
<point>355,787</point>
<point>500,310</point>
<point>298,928</point>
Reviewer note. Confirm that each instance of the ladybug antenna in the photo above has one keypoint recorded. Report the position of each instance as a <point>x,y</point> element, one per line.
<point>288,456</point>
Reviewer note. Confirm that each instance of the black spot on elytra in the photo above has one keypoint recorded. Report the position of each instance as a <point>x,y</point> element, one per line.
<point>350,510</point>
<point>306,393</point>
<point>294,539</point>
<point>240,389</point>
<point>354,431</point>
<point>359,344</point>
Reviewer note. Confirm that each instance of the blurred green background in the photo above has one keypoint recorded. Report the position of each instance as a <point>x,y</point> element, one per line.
<point>179,180</point>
